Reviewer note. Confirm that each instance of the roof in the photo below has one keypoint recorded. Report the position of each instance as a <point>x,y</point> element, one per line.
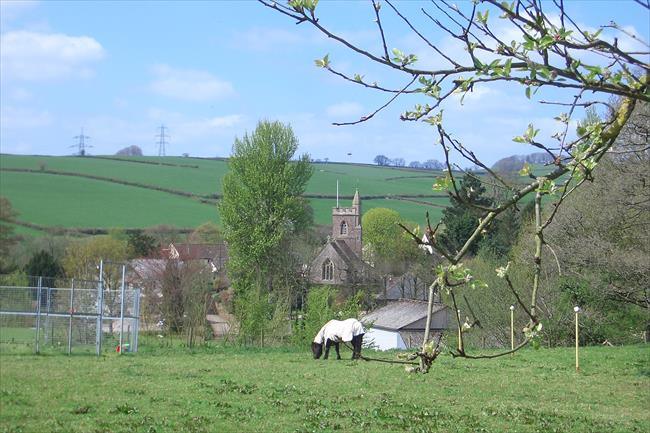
<point>216,253</point>
<point>399,314</point>
<point>346,253</point>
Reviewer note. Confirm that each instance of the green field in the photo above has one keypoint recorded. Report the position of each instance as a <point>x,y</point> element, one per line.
<point>58,192</point>
<point>229,389</point>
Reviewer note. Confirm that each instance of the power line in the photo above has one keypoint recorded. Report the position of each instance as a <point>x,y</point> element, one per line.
<point>162,140</point>
<point>81,143</point>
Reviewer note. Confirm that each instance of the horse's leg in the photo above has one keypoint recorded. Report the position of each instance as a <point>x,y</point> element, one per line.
<point>336,346</point>
<point>357,341</point>
<point>328,344</point>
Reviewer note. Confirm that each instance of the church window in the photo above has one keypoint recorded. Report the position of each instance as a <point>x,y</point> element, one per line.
<point>328,270</point>
<point>344,228</point>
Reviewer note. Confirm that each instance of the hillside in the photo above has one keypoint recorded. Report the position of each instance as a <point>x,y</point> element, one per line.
<point>138,192</point>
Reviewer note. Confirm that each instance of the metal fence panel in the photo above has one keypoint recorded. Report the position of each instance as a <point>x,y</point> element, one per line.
<point>76,318</point>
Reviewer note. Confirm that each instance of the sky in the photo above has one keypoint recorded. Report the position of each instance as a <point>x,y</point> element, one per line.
<point>210,71</point>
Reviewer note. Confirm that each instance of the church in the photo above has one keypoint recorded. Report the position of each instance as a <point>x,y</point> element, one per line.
<point>340,261</point>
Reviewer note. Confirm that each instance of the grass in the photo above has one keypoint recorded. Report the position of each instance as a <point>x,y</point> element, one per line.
<point>230,389</point>
<point>51,200</point>
<point>75,202</point>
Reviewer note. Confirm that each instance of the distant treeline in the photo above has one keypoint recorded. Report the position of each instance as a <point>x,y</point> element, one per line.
<point>516,162</point>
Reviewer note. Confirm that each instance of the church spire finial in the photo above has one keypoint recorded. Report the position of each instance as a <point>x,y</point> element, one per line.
<point>355,200</point>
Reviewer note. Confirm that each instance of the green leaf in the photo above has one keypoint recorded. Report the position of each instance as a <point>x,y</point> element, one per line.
<point>507,67</point>
<point>482,18</point>
<point>494,64</point>
<point>546,42</point>
<point>442,183</point>
<point>399,56</point>
<point>525,170</point>
<point>528,90</point>
<point>434,120</point>
<point>324,62</point>
<point>531,132</point>
<point>545,72</point>
<point>310,4</point>
<point>581,130</point>
<point>563,117</point>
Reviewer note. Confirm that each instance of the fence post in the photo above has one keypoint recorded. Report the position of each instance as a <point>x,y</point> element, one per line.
<point>71,314</point>
<point>122,310</point>
<point>48,327</point>
<point>38,313</point>
<point>100,308</point>
<point>136,332</point>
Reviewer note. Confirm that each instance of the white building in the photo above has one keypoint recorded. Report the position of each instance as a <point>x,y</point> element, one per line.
<point>401,324</point>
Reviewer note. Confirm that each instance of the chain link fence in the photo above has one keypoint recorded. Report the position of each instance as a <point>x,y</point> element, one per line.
<point>67,315</point>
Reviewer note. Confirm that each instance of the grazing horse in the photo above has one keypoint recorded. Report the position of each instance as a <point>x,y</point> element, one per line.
<point>336,331</point>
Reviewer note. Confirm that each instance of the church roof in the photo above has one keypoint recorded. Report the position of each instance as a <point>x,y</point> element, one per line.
<point>346,253</point>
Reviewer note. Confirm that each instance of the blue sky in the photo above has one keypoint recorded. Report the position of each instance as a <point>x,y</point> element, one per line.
<point>209,71</point>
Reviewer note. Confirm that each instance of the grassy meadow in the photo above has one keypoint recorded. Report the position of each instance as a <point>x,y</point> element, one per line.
<point>58,191</point>
<point>230,389</point>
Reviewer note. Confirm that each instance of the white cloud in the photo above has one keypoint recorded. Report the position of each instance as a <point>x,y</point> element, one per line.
<point>20,118</point>
<point>10,10</point>
<point>188,84</point>
<point>344,109</point>
<point>34,56</point>
<point>20,94</point>
<point>212,123</point>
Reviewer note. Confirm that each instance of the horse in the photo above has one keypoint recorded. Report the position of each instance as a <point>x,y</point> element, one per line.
<point>335,331</point>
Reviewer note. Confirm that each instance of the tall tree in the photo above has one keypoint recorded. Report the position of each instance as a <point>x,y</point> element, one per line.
<point>461,218</point>
<point>141,244</point>
<point>381,160</point>
<point>83,257</point>
<point>262,207</point>
<point>44,264</point>
<point>383,236</point>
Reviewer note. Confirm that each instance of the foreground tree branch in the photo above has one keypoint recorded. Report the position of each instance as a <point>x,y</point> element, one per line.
<point>543,55</point>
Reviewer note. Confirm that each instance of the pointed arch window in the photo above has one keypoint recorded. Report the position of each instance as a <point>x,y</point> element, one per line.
<point>344,228</point>
<point>328,270</point>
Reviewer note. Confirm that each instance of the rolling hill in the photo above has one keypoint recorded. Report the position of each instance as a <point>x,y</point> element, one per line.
<point>135,192</point>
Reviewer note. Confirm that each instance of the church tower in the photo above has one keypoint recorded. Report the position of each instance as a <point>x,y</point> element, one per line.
<point>346,224</point>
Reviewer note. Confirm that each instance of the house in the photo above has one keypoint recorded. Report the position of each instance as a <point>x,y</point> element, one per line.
<point>401,324</point>
<point>151,273</point>
<point>339,262</point>
<point>216,255</point>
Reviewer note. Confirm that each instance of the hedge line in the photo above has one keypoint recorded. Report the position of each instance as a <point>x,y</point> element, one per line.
<point>201,198</point>
<point>94,230</point>
<point>210,198</point>
<point>169,164</point>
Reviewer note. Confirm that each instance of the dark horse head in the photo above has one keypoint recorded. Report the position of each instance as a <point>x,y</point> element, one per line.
<point>316,349</point>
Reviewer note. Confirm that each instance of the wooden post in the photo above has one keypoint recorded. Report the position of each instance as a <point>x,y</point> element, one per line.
<point>512,328</point>
<point>460,330</point>
<point>577,311</point>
